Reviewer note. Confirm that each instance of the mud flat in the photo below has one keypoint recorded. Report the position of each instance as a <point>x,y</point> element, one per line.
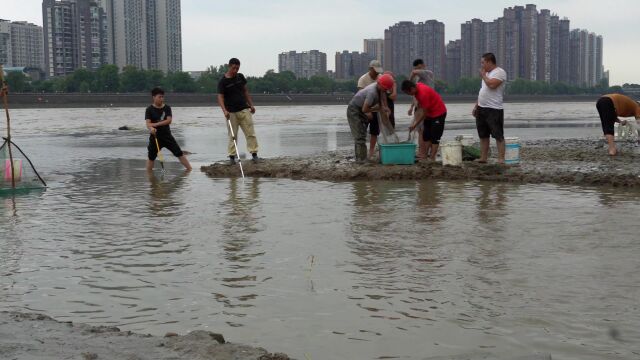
<point>34,336</point>
<point>563,161</point>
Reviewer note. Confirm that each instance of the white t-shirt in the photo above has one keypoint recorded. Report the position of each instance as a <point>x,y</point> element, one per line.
<point>365,80</point>
<point>493,98</point>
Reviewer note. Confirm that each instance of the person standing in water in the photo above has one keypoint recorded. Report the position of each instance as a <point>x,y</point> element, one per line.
<point>158,117</point>
<point>237,107</point>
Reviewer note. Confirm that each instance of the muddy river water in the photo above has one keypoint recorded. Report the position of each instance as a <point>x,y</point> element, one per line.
<point>319,270</point>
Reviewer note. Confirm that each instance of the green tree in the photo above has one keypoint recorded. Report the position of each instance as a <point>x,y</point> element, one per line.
<point>107,79</point>
<point>17,81</point>
<point>181,82</point>
<point>155,78</point>
<point>132,79</point>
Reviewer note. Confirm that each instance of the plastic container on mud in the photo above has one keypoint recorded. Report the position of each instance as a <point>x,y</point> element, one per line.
<point>398,154</point>
<point>512,150</point>
<point>451,153</point>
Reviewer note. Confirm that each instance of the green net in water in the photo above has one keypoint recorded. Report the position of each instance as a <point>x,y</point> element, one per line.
<point>21,175</point>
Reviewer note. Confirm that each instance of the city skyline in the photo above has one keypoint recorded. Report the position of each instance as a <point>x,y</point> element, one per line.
<point>210,29</point>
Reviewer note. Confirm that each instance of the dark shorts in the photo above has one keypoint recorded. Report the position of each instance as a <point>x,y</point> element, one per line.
<point>374,125</point>
<point>165,141</point>
<point>490,122</point>
<point>608,115</point>
<point>433,129</point>
<point>392,117</point>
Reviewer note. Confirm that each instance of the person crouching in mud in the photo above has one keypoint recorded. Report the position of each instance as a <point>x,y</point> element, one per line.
<point>610,107</point>
<point>360,111</point>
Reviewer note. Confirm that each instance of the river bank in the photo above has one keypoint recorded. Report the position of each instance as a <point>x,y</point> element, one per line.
<point>565,161</point>
<point>31,336</point>
<point>34,101</point>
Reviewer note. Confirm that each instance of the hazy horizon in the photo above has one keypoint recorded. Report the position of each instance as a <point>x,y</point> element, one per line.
<point>256,31</point>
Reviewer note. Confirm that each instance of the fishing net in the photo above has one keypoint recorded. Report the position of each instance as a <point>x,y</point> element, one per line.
<point>19,175</point>
<point>387,133</point>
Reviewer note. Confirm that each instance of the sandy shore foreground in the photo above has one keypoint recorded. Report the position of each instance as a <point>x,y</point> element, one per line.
<point>34,336</point>
<point>565,161</point>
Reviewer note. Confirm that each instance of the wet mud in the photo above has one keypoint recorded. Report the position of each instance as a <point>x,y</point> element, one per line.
<point>563,161</point>
<point>34,336</point>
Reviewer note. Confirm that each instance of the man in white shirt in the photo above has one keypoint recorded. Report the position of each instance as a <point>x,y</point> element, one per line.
<point>489,110</point>
<point>375,70</point>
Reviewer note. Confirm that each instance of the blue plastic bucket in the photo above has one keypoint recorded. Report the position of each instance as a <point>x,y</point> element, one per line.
<point>398,154</point>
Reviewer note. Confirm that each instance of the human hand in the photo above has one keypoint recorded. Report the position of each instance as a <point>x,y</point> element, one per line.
<point>369,116</point>
<point>474,112</point>
<point>226,114</point>
<point>410,112</point>
<point>252,109</point>
<point>153,130</point>
<point>623,122</point>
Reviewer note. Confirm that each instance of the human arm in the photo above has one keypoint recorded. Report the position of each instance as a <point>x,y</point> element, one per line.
<point>394,92</point>
<point>492,83</point>
<point>417,122</point>
<point>249,99</point>
<point>224,108</point>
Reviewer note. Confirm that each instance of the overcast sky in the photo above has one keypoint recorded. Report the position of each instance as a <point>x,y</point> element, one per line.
<point>256,31</point>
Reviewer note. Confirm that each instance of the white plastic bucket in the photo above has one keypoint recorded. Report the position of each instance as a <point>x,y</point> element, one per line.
<point>451,153</point>
<point>466,139</point>
<point>512,150</point>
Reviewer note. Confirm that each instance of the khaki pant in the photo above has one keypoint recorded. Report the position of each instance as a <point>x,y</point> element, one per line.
<point>244,120</point>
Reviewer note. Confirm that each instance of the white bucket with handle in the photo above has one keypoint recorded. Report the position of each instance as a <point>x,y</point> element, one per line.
<point>451,153</point>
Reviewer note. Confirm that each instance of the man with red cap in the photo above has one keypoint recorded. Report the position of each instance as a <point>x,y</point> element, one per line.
<point>361,108</point>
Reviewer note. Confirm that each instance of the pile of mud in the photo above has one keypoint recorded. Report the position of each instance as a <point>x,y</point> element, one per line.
<point>565,161</point>
<point>33,336</point>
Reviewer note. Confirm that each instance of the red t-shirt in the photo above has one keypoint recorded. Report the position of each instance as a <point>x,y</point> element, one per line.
<point>430,101</point>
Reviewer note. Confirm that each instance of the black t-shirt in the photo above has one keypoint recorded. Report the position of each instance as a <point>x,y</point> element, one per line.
<point>159,114</point>
<point>233,91</point>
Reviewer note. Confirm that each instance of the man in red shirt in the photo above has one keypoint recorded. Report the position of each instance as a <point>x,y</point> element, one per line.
<point>434,114</point>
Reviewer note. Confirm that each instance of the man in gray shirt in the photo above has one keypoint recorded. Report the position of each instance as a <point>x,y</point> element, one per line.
<point>360,112</point>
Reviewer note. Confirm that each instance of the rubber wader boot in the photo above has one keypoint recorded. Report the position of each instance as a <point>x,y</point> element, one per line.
<point>361,152</point>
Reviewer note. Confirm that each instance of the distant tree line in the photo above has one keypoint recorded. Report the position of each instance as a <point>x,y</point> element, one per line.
<point>108,79</point>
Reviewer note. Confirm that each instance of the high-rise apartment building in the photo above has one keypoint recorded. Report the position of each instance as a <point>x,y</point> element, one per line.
<point>5,43</point>
<point>532,45</point>
<point>350,65</point>
<point>375,48</point>
<point>544,46</point>
<point>453,62</point>
<point>90,33</point>
<point>304,64</point>
<point>406,41</point>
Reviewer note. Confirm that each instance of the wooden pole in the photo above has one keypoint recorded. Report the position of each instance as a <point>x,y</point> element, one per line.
<point>4,92</point>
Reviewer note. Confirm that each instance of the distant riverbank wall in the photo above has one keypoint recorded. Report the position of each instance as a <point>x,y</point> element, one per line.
<point>205,100</point>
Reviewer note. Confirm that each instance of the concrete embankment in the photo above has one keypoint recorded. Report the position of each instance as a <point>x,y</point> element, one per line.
<point>565,161</point>
<point>196,100</point>
<point>33,336</point>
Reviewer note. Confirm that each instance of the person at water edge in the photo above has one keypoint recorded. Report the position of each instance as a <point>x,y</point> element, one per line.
<point>610,107</point>
<point>360,112</point>
<point>375,69</point>
<point>489,110</point>
<point>432,115</point>
<point>420,74</point>
<point>237,107</point>
<point>158,117</point>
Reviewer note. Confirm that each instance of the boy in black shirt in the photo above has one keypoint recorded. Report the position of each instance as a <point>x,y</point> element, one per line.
<point>158,117</point>
<point>237,106</point>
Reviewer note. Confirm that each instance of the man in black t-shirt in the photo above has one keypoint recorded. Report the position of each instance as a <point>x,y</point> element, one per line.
<point>158,117</point>
<point>237,106</point>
